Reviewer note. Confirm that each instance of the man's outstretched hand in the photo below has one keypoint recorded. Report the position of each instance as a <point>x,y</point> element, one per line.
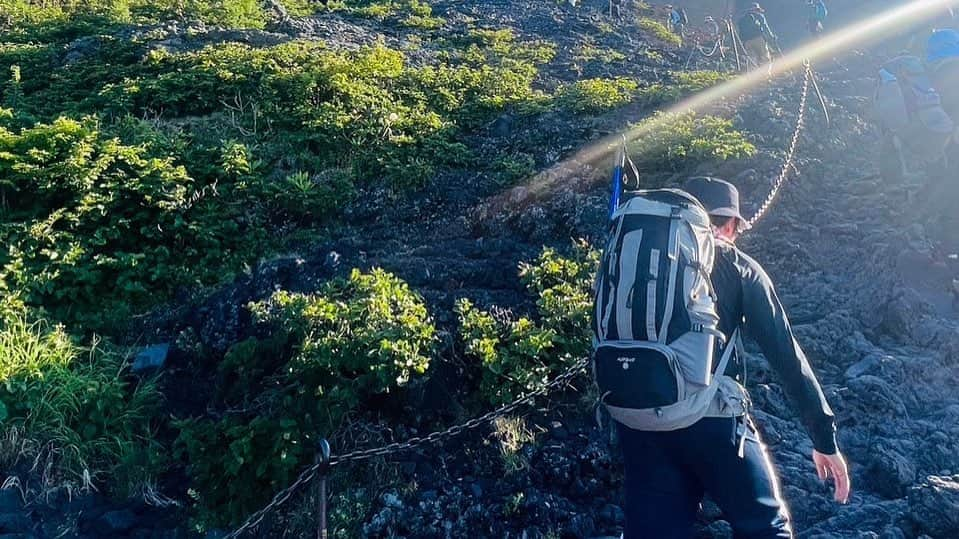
<point>833,466</point>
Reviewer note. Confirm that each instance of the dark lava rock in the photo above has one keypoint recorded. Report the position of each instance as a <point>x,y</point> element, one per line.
<point>114,523</point>
<point>612,514</point>
<point>151,358</point>
<point>891,473</point>
<point>10,501</point>
<point>502,127</point>
<point>934,506</point>
<point>14,523</point>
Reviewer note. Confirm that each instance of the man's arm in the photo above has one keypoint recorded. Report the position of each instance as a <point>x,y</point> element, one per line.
<point>766,322</point>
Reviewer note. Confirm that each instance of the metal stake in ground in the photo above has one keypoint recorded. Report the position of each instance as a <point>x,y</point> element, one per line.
<point>323,468</point>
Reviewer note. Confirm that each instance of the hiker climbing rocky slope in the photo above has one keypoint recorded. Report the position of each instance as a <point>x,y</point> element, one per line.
<point>863,270</point>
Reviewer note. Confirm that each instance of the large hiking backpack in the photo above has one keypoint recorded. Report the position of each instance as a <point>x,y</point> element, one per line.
<point>750,26</point>
<point>654,319</point>
<point>908,105</point>
<point>942,44</point>
<point>820,11</point>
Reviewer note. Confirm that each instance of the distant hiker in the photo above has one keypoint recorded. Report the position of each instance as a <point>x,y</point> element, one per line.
<point>677,19</point>
<point>910,114</point>
<point>712,28</point>
<point>756,35</point>
<point>616,8</point>
<point>816,17</point>
<point>673,295</point>
<point>920,38</point>
<point>942,61</point>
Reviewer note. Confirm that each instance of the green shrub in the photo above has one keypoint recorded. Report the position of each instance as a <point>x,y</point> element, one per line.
<point>410,13</point>
<point>356,337</point>
<point>74,403</point>
<point>353,339</point>
<point>237,463</point>
<point>423,23</point>
<point>592,96</point>
<point>514,167</point>
<point>95,229</point>
<point>589,52</point>
<point>682,140</point>
<point>521,355</point>
<point>122,213</point>
<point>231,13</point>
<point>659,31</point>
<point>684,83</point>
<point>483,46</point>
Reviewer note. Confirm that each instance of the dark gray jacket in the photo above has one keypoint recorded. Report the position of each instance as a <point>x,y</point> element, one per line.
<point>747,298</point>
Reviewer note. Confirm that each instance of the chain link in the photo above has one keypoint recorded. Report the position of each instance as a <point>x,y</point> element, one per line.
<point>789,161</point>
<point>310,473</point>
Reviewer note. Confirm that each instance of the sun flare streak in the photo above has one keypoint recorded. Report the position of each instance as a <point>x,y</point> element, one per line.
<point>833,44</point>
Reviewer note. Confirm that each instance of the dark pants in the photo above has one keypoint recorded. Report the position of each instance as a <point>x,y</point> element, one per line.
<point>667,474</point>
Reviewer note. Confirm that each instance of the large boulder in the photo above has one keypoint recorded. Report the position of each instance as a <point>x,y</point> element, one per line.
<point>934,506</point>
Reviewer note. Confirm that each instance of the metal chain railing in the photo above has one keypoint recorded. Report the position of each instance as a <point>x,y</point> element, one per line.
<point>563,379</point>
<point>789,161</point>
<point>354,456</point>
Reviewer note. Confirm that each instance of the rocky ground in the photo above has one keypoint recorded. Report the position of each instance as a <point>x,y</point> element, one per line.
<point>863,267</point>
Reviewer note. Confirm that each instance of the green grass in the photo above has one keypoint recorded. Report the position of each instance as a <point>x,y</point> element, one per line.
<point>75,406</point>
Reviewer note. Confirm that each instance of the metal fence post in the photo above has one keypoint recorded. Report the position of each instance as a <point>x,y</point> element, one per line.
<point>323,468</point>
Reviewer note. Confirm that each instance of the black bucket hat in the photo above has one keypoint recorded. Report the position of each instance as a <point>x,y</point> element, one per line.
<point>719,197</point>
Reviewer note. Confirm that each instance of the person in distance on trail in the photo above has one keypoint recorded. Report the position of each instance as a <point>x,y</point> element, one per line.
<point>677,19</point>
<point>756,35</point>
<point>711,28</point>
<point>816,16</point>
<point>616,8</point>
<point>667,472</point>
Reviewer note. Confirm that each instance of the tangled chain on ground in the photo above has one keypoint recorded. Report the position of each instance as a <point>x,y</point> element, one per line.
<point>789,161</point>
<point>310,473</point>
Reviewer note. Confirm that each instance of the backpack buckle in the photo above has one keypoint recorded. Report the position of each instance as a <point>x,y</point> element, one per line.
<point>676,212</point>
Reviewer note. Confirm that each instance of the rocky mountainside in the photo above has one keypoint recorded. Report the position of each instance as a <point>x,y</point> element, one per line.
<point>866,269</point>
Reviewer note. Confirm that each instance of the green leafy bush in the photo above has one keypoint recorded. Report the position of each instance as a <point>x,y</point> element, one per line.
<point>230,13</point>
<point>521,355</point>
<point>356,337</point>
<point>353,339</point>
<point>73,403</point>
<point>237,463</point>
<point>95,229</point>
<point>684,83</point>
<point>589,52</point>
<point>123,213</point>
<point>485,46</point>
<point>514,167</point>
<point>410,13</point>
<point>659,31</point>
<point>596,95</point>
<point>678,140</point>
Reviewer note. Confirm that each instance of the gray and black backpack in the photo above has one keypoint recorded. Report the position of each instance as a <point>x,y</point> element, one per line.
<point>655,319</point>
